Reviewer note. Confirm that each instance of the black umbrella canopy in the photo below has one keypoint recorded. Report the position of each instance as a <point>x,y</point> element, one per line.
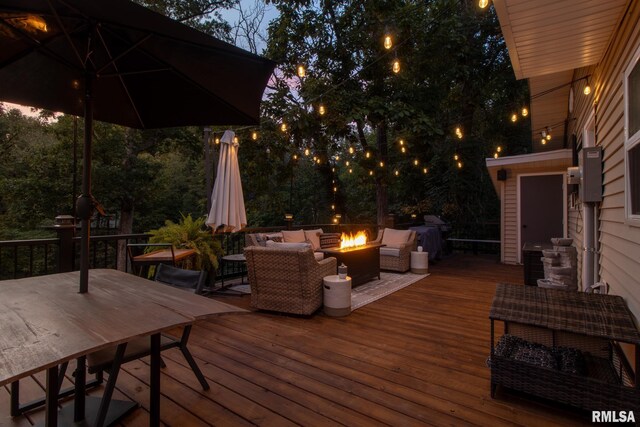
<point>149,71</point>
<point>118,62</point>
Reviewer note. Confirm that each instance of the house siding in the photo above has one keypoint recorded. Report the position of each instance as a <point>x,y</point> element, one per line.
<point>619,254</point>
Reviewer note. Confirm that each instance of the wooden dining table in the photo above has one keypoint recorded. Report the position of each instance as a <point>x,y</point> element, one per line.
<point>45,322</point>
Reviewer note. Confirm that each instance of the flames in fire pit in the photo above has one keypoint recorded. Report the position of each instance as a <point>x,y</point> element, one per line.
<point>352,240</point>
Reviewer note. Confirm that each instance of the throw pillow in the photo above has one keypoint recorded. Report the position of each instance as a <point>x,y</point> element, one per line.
<point>276,237</point>
<point>293,236</point>
<point>288,246</point>
<point>329,240</point>
<point>261,239</point>
<point>395,238</point>
<point>313,236</point>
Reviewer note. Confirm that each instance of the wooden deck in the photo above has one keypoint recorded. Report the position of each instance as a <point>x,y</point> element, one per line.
<point>416,357</point>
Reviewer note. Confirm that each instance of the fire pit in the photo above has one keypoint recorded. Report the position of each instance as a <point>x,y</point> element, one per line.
<point>361,258</point>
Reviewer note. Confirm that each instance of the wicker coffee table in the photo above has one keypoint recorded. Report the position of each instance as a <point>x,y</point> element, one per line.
<point>592,323</point>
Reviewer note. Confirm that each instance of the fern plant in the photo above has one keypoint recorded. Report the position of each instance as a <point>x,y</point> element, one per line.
<point>191,233</point>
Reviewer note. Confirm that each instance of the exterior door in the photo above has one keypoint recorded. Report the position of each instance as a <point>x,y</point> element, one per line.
<point>541,208</point>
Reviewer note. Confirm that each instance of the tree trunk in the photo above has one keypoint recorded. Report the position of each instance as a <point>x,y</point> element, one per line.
<point>382,198</point>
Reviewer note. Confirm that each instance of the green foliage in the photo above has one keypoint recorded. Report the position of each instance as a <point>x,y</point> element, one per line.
<point>191,233</point>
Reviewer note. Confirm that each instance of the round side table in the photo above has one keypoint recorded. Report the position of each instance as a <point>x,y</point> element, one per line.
<point>419,262</point>
<point>336,296</point>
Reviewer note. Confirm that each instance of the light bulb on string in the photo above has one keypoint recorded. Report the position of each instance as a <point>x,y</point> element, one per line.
<point>254,135</point>
<point>403,149</point>
<point>587,89</point>
<point>333,207</point>
<point>388,41</point>
<point>483,4</point>
<point>495,155</point>
<point>306,152</point>
<point>321,110</point>
<point>346,163</point>
<point>396,172</point>
<point>459,165</point>
<point>351,150</point>
<point>395,67</point>
<point>456,157</point>
<point>370,173</point>
<point>381,164</point>
<point>415,162</point>
<point>301,71</point>
<point>295,157</point>
<point>318,161</point>
<point>335,189</point>
<point>459,132</point>
<point>367,154</point>
<point>350,170</point>
<point>401,142</point>
<point>217,141</point>
<point>235,139</point>
<point>525,111</point>
<point>315,158</point>
<point>425,170</point>
<point>499,149</point>
<point>283,127</point>
<point>543,141</point>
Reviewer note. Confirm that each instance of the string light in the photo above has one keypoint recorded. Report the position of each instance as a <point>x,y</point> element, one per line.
<point>318,161</point>
<point>415,162</point>
<point>335,189</point>
<point>217,141</point>
<point>306,152</point>
<point>459,132</point>
<point>403,149</point>
<point>350,170</point>
<point>321,110</point>
<point>396,66</point>
<point>346,163</point>
<point>367,154</point>
<point>301,71</point>
<point>543,141</point>
<point>388,42</point>
<point>514,117</point>
<point>483,4</point>
<point>459,165</point>
<point>333,207</point>
<point>499,149</point>
<point>283,127</point>
<point>254,135</point>
<point>370,173</point>
<point>587,89</point>
<point>396,172</point>
<point>235,139</point>
<point>401,142</point>
<point>295,157</point>
<point>425,170</point>
<point>381,164</point>
<point>315,158</point>
<point>525,111</point>
<point>495,155</point>
<point>456,157</point>
<point>351,150</point>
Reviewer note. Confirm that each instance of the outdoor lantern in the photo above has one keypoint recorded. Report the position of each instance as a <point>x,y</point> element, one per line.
<point>396,66</point>
<point>301,71</point>
<point>254,135</point>
<point>525,111</point>
<point>288,217</point>
<point>388,43</point>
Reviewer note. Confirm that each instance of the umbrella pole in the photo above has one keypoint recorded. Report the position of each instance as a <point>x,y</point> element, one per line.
<point>84,205</point>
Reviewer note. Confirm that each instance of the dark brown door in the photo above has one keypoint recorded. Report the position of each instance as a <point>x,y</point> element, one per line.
<point>541,208</point>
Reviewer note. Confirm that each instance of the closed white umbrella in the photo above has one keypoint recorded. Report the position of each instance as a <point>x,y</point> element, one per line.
<point>227,200</point>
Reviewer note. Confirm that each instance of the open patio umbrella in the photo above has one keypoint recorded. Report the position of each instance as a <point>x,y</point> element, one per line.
<point>118,62</point>
<point>227,201</point>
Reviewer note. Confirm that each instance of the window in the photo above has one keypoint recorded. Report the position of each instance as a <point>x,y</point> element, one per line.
<point>632,139</point>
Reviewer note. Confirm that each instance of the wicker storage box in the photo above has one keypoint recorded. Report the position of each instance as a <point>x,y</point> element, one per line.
<point>591,323</point>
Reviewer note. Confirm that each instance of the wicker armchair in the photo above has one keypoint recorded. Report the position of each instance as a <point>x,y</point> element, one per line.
<point>285,280</point>
<point>402,262</point>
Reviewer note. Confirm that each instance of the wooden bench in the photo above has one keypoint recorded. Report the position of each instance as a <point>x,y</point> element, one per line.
<point>474,243</point>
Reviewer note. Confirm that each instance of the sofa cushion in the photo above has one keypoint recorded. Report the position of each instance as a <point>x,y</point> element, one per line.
<point>288,245</point>
<point>313,237</point>
<point>395,238</point>
<point>390,251</point>
<point>329,240</point>
<point>319,256</point>
<point>293,236</point>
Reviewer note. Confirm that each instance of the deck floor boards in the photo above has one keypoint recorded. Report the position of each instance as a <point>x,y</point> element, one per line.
<point>415,357</point>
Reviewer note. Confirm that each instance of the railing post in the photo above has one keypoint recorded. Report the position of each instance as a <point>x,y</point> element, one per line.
<point>65,227</point>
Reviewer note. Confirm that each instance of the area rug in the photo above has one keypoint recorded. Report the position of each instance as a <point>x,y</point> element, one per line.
<point>376,289</point>
<point>366,293</point>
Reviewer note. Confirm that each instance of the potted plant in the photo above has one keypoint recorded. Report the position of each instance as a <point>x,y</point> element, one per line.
<point>191,233</point>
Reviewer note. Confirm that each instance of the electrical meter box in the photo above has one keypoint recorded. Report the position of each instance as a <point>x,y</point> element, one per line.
<point>591,179</point>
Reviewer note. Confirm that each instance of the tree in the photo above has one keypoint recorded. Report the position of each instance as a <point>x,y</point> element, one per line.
<point>454,73</point>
